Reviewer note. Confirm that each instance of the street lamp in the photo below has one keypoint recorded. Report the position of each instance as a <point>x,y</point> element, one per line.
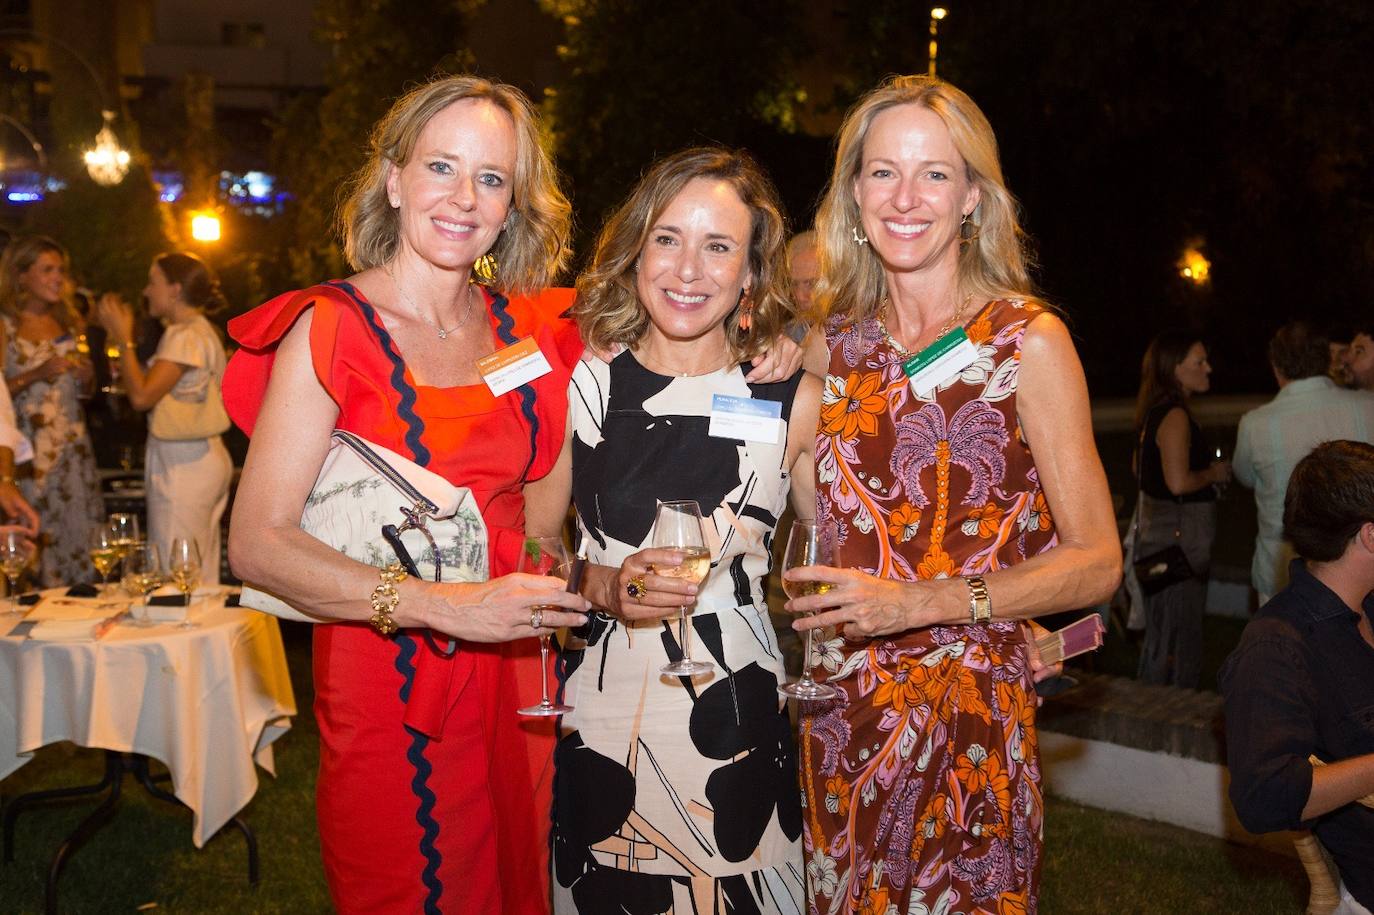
<point>205,226</point>
<point>107,162</point>
<point>1194,267</point>
<point>936,15</point>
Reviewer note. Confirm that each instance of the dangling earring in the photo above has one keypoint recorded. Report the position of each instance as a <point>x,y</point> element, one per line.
<point>859,240</point>
<point>507,223</point>
<point>966,238</point>
<point>746,310</point>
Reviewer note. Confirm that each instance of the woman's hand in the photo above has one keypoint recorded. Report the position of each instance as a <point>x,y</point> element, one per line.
<point>84,370</point>
<point>1039,669</point>
<point>1220,472</point>
<point>865,605</point>
<point>663,596</point>
<point>501,610</point>
<point>115,315</point>
<point>49,369</point>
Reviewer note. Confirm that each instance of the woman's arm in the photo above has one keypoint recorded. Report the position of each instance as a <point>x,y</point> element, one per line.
<point>801,441</point>
<point>1174,439</point>
<point>1083,569</point>
<point>144,389</point>
<point>268,547</point>
<point>44,371</point>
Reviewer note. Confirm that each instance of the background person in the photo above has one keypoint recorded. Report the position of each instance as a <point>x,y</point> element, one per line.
<point>689,274</point>
<point>1358,360</point>
<point>45,376</point>
<point>804,268</point>
<point>1301,681</point>
<point>424,761</point>
<point>967,501</point>
<point>1178,502</point>
<point>1309,409</point>
<point>186,468</point>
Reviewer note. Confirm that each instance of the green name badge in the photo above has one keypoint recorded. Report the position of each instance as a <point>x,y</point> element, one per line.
<point>939,362</point>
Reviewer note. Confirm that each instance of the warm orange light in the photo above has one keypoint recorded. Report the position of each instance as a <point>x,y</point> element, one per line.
<point>205,227</point>
<point>1194,267</point>
<point>939,12</point>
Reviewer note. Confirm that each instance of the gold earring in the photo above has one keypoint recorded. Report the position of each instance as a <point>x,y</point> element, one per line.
<point>859,240</point>
<point>965,237</point>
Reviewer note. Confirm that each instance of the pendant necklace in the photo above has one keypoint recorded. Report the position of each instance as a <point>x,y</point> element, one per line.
<point>956,320</point>
<point>443,332</point>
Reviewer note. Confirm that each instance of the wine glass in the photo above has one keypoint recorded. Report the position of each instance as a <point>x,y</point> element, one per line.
<point>544,556</point>
<point>678,527</point>
<point>125,527</point>
<point>183,562</point>
<point>104,551</point>
<point>142,574</point>
<point>14,555</point>
<point>809,543</point>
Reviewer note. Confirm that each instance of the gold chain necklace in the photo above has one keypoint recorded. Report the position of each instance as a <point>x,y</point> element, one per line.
<point>956,320</point>
<point>443,333</point>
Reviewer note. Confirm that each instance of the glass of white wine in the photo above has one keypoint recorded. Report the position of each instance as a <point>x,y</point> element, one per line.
<point>142,575</point>
<point>125,527</point>
<point>104,551</point>
<point>183,562</point>
<point>810,543</point>
<point>15,552</point>
<point>544,556</point>
<point>678,527</point>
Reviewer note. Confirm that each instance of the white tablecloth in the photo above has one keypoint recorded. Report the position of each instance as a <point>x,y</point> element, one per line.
<point>205,702</point>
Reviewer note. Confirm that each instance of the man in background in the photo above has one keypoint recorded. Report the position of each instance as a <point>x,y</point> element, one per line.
<point>803,261</point>
<point>1358,360</point>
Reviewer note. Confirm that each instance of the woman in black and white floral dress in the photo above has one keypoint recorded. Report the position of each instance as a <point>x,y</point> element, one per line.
<point>674,792</point>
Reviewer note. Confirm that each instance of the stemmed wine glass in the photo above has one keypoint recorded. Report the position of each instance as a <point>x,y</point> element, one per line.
<point>678,527</point>
<point>104,551</point>
<point>544,556</point>
<point>14,555</point>
<point>810,543</point>
<point>183,562</point>
<point>142,574</point>
<point>125,527</point>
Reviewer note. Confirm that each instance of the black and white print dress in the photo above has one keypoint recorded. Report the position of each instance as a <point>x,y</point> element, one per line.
<point>670,793</point>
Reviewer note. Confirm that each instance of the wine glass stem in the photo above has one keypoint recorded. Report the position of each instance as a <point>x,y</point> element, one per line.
<point>14,593</point>
<point>806,660</point>
<point>682,634</point>
<point>544,667</point>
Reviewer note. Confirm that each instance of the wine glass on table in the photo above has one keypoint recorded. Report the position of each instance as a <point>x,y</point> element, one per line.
<point>125,527</point>
<point>15,552</point>
<point>544,556</point>
<point>810,543</point>
<point>183,563</point>
<point>104,551</point>
<point>142,575</point>
<point>678,527</point>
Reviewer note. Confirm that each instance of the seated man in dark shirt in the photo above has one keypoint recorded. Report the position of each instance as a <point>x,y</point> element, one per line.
<point>1301,682</point>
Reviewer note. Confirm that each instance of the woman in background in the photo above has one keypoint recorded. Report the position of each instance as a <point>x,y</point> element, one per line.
<point>186,467</point>
<point>1178,502</point>
<point>46,375</point>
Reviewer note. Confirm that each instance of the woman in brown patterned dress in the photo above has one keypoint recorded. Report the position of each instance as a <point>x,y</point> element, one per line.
<point>969,496</point>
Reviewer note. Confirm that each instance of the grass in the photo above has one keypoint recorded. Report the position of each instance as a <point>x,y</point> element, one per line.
<point>1095,862</point>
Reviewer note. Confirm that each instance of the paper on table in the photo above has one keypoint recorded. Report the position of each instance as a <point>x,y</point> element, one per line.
<point>68,630</point>
<point>75,608</point>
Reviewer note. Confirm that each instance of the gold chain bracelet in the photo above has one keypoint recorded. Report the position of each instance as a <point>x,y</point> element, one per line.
<point>385,599</point>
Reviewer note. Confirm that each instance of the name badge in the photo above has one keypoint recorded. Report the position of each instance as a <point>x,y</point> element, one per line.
<point>939,362</point>
<point>745,418</point>
<point>507,369</point>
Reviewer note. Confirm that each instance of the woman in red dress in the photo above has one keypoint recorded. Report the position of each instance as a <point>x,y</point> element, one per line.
<point>432,793</point>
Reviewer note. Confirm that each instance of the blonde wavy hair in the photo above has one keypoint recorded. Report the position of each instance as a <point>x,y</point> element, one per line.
<point>994,262</point>
<point>532,249</point>
<point>607,307</point>
<point>17,259</point>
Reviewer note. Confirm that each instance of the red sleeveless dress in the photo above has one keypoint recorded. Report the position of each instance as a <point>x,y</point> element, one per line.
<point>433,794</point>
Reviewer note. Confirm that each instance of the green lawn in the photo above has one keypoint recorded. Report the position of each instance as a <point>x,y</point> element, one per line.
<point>1095,863</point>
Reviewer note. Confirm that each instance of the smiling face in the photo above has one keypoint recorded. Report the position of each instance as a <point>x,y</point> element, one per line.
<point>695,261</point>
<point>455,191</point>
<point>43,281</point>
<point>912,190</point>
<point>1194,372</point>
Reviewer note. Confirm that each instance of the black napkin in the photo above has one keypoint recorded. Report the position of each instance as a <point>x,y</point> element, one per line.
<point>28,600</point>
<point>83,591</point>
<point>167,600</point>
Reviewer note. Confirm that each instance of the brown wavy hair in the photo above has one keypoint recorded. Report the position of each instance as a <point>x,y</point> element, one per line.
<point>994,260</point>
<point>607,307</point>
<point>533,248</point>
<point>18,258</point>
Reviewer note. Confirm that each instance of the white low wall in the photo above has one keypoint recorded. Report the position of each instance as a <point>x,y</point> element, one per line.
<point>1154,786</point>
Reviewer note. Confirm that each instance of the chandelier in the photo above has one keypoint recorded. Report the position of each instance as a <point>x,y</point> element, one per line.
<point>107,162</point>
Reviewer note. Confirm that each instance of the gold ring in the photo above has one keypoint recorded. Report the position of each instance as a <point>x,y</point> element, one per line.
<point>635,587</point>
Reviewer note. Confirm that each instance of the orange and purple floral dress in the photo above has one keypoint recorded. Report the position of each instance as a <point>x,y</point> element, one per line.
<point>921,783</point>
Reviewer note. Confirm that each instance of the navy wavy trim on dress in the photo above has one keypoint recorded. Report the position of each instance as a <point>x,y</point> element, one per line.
<point>415,427</point>
<point>505,329</point>
<point>405,645</point>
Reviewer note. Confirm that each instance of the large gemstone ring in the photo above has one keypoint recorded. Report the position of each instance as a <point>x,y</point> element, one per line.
<point>635,587</point>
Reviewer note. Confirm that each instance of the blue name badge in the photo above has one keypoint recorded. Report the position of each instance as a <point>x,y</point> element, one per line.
<point>745,418</point>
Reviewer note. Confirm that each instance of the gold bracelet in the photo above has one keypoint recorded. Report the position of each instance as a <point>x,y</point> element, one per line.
<point>6,480</point>
<point>385,599</point>
<point>979,603</point>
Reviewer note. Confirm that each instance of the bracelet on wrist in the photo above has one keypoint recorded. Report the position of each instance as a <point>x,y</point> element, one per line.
<point>385,599</point>
<point>6,479</point>
<point>979,604</point>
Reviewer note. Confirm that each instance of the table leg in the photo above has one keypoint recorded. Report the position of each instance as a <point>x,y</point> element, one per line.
<point>149,781</point>
<point>93,821</point>
<point>114,771</point>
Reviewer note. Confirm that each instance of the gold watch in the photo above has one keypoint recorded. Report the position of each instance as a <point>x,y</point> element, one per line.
<point>979,604</point>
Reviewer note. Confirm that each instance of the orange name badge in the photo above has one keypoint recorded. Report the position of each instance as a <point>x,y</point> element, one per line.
<point>507,369</point>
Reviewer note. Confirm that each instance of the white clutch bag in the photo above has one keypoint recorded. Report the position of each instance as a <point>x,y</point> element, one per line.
<point>377,507</point>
